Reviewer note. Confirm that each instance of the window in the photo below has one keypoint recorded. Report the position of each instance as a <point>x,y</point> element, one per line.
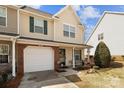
<point>66,30</point>
<point>3,16</point>
<point>100,36</point>
<point>38,26</point>
<point>77,54</point>
<point>69,31</point>
<point>4,53</point>
<point>72,32</point>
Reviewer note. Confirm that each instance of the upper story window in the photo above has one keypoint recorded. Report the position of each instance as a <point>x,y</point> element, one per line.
<point>3,16</point>
<point>4,53</point>
<point>66,30</point>
<point>100,36</point>
<point>38,25</point>
<point>69,31</point>
<point>72,32</point>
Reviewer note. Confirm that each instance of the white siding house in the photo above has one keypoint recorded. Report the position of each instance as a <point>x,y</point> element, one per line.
<point>110,30</point>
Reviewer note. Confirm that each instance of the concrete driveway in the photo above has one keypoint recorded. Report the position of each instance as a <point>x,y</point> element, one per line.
<point>45,79</point>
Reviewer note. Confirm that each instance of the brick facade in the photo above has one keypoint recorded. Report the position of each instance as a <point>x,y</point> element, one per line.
<point>20,57</point>
<point>56,58</point>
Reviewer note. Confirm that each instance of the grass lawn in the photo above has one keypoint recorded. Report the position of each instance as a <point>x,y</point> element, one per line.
<point>104,78</point>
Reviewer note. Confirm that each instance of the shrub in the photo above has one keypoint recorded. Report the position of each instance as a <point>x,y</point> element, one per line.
<point>5,77</point>
<point>102,55</point>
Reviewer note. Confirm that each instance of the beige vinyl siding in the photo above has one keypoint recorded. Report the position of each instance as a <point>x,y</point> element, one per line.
<point>68,17</point>
<point>24,27</point>
<point>68,56</point>
<point>11,26</point>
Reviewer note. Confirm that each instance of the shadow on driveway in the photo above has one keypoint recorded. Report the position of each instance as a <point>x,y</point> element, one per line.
<point>43,79</point>
<point>41,75</point>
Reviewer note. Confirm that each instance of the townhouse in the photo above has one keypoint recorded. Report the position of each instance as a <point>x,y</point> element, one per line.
<point>32,40</point>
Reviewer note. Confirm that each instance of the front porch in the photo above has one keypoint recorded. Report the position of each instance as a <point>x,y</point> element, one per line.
<point>68,56</point>
<point>71,57</point>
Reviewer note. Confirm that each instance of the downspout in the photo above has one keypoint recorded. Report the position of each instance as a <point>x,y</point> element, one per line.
<point>18,16</point>
<point>73,57</point>
<point>14,39</point>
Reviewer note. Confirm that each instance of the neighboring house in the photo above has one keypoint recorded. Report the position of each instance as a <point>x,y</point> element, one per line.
<point>33,40</point>
<point>110,30</point>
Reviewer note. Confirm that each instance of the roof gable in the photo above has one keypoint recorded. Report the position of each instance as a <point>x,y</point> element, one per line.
<point>66,7</point>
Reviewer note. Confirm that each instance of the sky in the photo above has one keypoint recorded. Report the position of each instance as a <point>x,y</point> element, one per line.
<point>89,14</point>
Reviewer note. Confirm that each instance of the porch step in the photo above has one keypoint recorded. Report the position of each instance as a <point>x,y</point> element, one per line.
<point>61,70</point>
<point>69,71</point>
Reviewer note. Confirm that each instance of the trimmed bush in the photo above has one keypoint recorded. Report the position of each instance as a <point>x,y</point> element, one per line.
<point>5,77</point>
<point>102,55</point>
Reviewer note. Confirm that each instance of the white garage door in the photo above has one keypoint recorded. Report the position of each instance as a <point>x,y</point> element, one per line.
<point>38,59</point>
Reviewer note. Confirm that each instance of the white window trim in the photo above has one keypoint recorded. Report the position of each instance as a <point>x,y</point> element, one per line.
<point>69,29</point>
<point>72,32</point>
<point>100,35</point>
<point>34,25</point>
<point>6,16</point>
<point>66,31</point>
<point>5,54</point>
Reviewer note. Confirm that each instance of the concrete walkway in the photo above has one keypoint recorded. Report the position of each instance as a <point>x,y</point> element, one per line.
<point>52,83</point>
<point>59,83</point>
<point>45,79</point>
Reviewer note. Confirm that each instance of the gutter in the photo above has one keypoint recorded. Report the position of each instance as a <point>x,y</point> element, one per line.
<point>36,39</point>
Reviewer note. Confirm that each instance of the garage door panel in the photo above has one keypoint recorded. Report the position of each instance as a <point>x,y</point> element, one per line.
<point>38,66</point>
<point>38,59</point>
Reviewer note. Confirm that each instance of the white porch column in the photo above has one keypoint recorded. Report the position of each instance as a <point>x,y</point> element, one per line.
<point>13,58</point>
<point>73,57</point>
<point>88,54</point>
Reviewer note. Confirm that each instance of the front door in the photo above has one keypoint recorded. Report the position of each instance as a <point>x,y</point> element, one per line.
<point>62,56</point>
